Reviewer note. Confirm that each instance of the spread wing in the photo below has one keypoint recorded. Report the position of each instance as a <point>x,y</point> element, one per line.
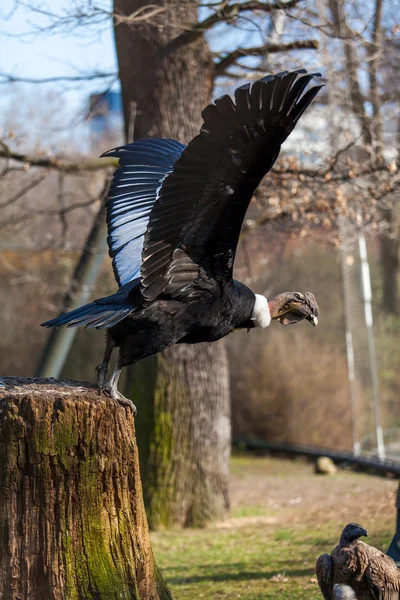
<point>381,574</point>
<point>134,189</point>
<point>195,222</point>
<point>324,575</point>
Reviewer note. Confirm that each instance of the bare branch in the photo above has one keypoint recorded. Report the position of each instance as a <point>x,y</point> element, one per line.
<point>8,78</point>
<point>85,164</point>
<point>227,13</point>
<point>232,57</point>
<point>81,16</point>
<point>60,213</point>
<point>32,184</point>
<point>144,13</point>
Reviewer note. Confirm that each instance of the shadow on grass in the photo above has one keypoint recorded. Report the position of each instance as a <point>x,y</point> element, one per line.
<point>228,575</point>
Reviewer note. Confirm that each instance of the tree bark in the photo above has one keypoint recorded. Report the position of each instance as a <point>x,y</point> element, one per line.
<point>390,262</point>
<point>184,435</point>
<point>375,51</point>
<point>182,395</point>
<point>342,29</point>
<point>72,520</point>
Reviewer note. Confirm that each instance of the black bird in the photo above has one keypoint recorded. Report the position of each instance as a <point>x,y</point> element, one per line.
<point>174,215</point>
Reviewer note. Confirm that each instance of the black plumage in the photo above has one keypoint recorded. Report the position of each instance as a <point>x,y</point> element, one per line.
<point>174,217</point>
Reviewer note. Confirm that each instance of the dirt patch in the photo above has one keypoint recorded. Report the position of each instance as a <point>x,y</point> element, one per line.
<point>293,493</point>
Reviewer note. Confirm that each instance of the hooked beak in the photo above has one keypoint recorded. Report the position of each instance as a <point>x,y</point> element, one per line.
<point>363,532</point>
<point>312,319</point>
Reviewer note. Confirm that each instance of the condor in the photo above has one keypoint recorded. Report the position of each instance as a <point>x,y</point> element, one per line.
<point>174,215</point>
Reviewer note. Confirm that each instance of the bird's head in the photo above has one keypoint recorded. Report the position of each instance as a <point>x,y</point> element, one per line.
<point>292,307</point>
<point>351,533</point>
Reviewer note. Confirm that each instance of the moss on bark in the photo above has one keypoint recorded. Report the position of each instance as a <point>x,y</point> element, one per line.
<point>72,521</point>
<point>184,435</point>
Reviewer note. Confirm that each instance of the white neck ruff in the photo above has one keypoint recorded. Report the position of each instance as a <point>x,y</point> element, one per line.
<point>261,314</point>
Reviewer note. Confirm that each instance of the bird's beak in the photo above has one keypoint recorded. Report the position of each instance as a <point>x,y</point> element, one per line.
<point>312,319</point>
<point>363,532</point>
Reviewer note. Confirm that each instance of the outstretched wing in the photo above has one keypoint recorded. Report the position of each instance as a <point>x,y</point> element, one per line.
<point>134,189</point>
<point>195,223</point>
<point>324,575</point>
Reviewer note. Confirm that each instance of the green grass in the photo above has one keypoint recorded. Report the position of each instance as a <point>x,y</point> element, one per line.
<point>262,553</point>
<point>251,563</point>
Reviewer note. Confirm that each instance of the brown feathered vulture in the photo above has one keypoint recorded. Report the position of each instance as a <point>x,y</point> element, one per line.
<point>174,216</point>
<point>371,574</point>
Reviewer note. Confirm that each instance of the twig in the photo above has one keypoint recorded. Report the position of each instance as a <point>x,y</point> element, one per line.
<point>32,184</point>
<point>43,212</point>
<point>144,13</point>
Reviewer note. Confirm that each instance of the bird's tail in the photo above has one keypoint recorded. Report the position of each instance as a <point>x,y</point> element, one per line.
<point>99,314</point>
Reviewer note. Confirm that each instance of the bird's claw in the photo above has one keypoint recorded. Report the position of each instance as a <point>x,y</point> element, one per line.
<point>118,397</point>
<point>126,402</point>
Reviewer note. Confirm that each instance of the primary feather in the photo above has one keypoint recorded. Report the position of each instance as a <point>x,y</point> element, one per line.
<point>134,190</point>
<point>201,204</point>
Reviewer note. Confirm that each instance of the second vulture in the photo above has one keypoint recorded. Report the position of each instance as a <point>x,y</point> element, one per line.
<point>353,565</point>
<point>174,215</point>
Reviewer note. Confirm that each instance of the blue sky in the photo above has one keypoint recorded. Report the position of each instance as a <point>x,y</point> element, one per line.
<point>48,55</point>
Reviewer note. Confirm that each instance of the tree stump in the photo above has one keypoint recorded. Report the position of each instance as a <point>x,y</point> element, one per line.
<point>72,520</point>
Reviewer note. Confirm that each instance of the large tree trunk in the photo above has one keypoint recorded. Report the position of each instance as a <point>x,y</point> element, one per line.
<point>72,520</point>
<point>183,435</point>
<point>186,388</point>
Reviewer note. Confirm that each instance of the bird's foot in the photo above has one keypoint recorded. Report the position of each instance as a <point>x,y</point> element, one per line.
<point>101,370</point>
<point>118,397</point>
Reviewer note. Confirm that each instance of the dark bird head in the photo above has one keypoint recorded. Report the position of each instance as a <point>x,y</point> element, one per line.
<point>292,307</point>
<point>351,533</point>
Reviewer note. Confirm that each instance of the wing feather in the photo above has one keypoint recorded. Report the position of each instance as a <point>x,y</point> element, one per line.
<point>135,186</point>
<point>382,575</point>
<point>323,569</point>
<point>201,204</point>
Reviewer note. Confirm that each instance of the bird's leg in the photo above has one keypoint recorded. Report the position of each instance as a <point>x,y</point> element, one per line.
<point>110,388</point>
<point>102,368</point>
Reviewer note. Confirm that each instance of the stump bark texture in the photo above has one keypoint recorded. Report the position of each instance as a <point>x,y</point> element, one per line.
<point>72,520</point>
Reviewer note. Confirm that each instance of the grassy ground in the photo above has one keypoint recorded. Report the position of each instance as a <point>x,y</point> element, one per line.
<point>283,516</point>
